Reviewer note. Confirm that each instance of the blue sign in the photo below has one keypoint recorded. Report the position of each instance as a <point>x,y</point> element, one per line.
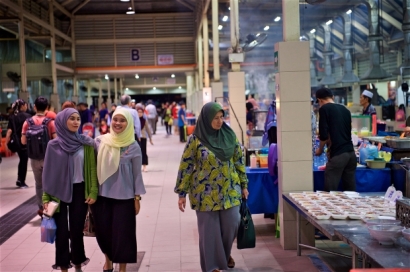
<point>135,55</point>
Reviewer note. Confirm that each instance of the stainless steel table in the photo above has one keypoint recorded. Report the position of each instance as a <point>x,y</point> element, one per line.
<point>362,244</point>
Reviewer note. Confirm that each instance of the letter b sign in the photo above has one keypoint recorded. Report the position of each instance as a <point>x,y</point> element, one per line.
<point>135,55</point>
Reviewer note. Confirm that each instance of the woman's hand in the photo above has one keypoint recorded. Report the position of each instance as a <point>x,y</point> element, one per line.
<point>137,205</point>
<point>90,201</point>
<point>182,203</point>
<point>45,206</point>
<point>245,193</point>
<point>150,140</point>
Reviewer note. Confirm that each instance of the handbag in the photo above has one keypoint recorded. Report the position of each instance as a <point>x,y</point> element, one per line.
<point>48,230</point>
<point>246,233</point>
<point>89,229</point>
<point>14,145</point>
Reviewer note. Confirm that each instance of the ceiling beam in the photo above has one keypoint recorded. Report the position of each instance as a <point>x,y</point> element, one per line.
<point>360,27</point>
<point>80,6</point>
<point>66,2</point>
<point>185,4</point>
<point>134,40</point>
<point>110,17</point>
<point>35,19</point>
<point>62,9</point>
<point>390,19</point>
<point>136,69</point>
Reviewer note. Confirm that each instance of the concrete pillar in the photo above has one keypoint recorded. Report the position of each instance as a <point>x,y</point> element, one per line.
<point>89,98</point>
<point>215,39</point>
<point>236,84</point>
<point>200,62</point>
<point>189,89</point>
<point>100,98</point>
<point>206,50</point>
<point>75,97</point>
<point>54,98</point>
<point>22,47</point>
<point>294,124</point>
<point>217,91</point>
<point>115,91</point>
<point>109,100</point>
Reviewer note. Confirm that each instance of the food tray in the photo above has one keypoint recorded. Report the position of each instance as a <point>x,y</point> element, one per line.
<point>398,143</point>
<point>403,211</point>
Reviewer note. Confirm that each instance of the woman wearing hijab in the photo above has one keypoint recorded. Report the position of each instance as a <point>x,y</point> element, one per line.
<point>212,172</point>
<point>15,125</point>
<point>69,177</point>
<point>121,186</point>
<point>145,131</point>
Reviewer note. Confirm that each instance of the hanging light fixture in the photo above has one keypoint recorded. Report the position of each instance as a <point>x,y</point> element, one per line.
<point>130,11</point>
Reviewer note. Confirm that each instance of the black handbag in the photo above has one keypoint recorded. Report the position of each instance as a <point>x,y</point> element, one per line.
<point>14,145</point>
<point>89,229</point>
<point>246,233</point>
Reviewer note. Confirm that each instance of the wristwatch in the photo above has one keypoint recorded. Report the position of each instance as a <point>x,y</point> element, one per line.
<point>137,197</point>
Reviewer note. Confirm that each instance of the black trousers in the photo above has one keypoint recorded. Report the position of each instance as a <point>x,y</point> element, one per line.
<point>343,167</point>
<point>182,134</point>
<point>136,139</point>
<point>70,224</point>
<point>143,146</point>
<point>168,128</point>
<point>115,228</point>
<point>22,167</point>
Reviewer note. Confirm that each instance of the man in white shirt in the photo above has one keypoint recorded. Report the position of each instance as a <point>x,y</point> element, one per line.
<point>152,115</point>
<point>126,103</point>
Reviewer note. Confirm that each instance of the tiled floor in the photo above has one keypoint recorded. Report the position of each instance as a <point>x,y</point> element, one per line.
<point>168,237</point>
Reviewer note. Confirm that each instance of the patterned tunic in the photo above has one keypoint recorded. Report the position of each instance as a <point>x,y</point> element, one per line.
<point>212,184</point>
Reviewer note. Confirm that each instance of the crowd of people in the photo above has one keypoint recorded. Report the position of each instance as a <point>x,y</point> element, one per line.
<point>100,170</point>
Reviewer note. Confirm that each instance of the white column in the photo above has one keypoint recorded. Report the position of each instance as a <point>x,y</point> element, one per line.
<point>115,91</point>
<point>200,62</point>
<point>55,99</point>
<point>294,126</point>
<point>215,39</point>
<point>89,98</point>
<point>206,50</point>
<point>236,84</point>
<point>74,97</point>
<point>100,98</point>
<point>189,89</point>
<point>109,101</point>
<point>23,94</point>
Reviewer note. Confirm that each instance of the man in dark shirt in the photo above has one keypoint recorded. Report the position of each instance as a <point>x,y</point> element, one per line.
<point>335,125</point>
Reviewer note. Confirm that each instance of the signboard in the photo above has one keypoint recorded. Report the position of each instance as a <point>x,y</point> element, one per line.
<point>135,54</point>
<point>165,59</point>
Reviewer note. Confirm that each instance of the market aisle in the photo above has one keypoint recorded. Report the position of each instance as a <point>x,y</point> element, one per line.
<point>168,237</point>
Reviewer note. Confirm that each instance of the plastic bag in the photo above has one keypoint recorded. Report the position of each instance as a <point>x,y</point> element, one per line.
<point>368,152</point>
<point>48,230</point>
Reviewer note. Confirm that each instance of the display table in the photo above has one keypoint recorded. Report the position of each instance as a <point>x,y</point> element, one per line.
<point>263,191</point>
<point>367,180</point>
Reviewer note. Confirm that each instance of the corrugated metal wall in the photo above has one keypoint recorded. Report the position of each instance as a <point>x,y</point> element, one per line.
<point>123,28</point>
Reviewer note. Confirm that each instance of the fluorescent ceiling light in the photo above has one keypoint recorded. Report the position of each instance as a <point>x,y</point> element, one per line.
<point>137,76</point>
<point>277,19</point>
<point>172,75</point>
<point>124,0</point>
<point>257,35</point>
<point>329,22</point>
<point>130,11</point>
<point>154,88</point>
<point>126,89</point>
<point>225,18</point>
<point>229,8</point>
<point>266,28</point>
<point>106,76</point>
<point>313,31</point>
<point>179,87</point>
<point>349,11</point>
<point>220,27</point>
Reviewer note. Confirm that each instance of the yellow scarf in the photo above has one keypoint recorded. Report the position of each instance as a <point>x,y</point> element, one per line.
<point>108,158</point>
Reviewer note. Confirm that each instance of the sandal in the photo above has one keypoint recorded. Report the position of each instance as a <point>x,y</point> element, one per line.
<point>110,269</point>
<point>231,262</point>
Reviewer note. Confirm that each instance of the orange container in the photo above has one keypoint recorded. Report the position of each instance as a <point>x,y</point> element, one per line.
<point>190,130</point>
<point>263,160</point>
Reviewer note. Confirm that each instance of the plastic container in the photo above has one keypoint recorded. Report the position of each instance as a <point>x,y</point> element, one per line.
<point>376,164</point>
<point>263,160</point>
<point>253,160</point>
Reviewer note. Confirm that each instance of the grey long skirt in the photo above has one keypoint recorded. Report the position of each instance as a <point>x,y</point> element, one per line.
<point>217,231</point>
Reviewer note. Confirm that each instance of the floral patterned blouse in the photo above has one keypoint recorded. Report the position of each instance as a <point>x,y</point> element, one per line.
<point>212,184</point>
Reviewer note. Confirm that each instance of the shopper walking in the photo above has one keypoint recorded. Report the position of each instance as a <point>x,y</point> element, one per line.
<point>145,132</point>
<point>121,186</point>
<point>36,133</point>
<point>152,115</point>
<point>15,126</point>
<point>335,126</point>
<point>182,122</point>
<point>69,177</point>
<point>212,172</point>
<point>126,104</point>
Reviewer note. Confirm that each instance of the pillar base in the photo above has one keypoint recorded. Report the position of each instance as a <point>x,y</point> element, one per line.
<point>55,102</point>
<point>25,96</point>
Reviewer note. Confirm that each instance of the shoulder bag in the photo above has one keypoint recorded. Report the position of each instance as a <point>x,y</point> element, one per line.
<point>246,233</point>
